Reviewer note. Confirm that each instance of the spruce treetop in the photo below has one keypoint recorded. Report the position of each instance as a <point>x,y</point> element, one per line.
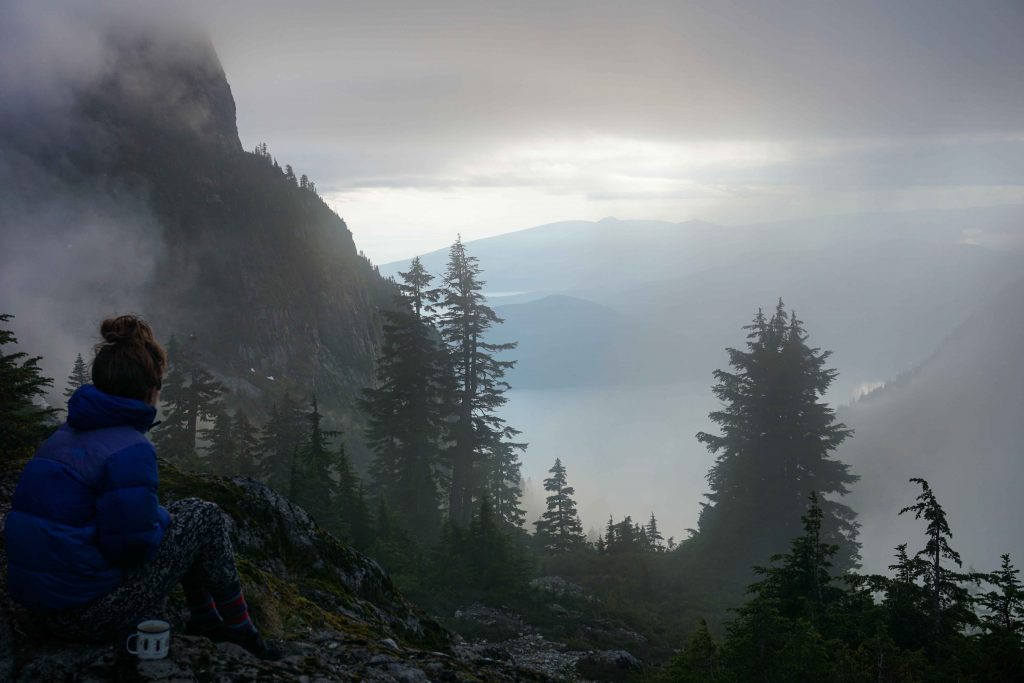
<point>775,444</point>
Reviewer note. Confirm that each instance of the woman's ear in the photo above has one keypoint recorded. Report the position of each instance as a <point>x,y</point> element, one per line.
<point>154,396</point>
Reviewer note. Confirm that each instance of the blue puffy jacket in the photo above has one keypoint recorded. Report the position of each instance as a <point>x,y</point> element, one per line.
<point>85,507</point>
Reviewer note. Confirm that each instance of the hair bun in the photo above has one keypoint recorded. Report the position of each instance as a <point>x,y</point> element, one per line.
<point>129,362</point>
<point>125,329</point>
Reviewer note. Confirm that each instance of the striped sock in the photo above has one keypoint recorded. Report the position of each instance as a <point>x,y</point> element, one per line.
<point>203,608</point>
<point>235,613</point>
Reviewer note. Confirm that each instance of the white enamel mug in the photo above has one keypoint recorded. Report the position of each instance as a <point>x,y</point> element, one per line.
<point>152,641</point>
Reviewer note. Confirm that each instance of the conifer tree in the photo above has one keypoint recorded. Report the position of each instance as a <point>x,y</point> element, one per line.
<point>802,583</point>
<point>497,562</point>
<point>623,536</point>
<point>24,418</point>
<point>280,438</point>
<point>700,660</point>
<point>1002,642</point>
<point>359,520</point>
<point>189,395</point>
<point>502,480</point>
<point>316,481</point>
<point>247,446</point>
<point>654,535</point>
<point>408,409</point>
<point>481,440</point>
<point>1005,604</point>
<point>775,447</point>
<point>221,448</point>
<point>949,602</point>
<point>79,376</point>
<point>559,529</point>
<point>906,600</point>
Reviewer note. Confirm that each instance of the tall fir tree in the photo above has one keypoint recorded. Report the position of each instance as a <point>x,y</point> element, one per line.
<point>1005,604</point>
<point>949,602</point>
<point>190,395</point>
<point>654,536</point>
<point>483,456</point>
<point>699,661</point>
<point>24,417</point>
<point>1002,641</point>
<point>407,410</point>
<point>776,446</point>
<point>777,634</point>
<point>280,438</point>
<point>79,376</point>
<point>315,480</point>
<point>559,529</point>
<point>503,480</point>
<point>221,448</point>
<point>497,561</point>
<point>247,446</point>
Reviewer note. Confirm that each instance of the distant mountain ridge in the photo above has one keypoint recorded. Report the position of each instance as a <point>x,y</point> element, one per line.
<point>880,290</point>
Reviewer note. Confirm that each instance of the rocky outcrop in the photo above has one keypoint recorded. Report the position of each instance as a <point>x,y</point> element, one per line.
<point>524,646</point>
<point>334,611</point>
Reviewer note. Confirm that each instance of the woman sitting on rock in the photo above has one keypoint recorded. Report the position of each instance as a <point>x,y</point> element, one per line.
<point>88,544</point>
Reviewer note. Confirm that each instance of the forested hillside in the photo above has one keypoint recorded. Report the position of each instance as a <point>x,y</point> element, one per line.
<point>956,417</point>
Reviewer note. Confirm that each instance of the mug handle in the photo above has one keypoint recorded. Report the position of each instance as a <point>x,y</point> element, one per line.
<point>127,644</point>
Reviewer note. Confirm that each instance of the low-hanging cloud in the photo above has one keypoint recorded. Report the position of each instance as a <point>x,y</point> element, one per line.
<point>74,246</point>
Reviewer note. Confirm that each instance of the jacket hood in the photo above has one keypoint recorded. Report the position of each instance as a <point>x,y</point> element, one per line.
<point>89,408</point>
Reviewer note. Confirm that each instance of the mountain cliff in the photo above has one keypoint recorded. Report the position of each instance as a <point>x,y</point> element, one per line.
<point>127,188</point>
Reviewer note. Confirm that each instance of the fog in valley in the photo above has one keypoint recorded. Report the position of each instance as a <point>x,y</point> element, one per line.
<point>620,324</point>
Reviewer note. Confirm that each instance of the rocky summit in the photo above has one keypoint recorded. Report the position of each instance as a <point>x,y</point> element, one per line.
<point>333,611</point>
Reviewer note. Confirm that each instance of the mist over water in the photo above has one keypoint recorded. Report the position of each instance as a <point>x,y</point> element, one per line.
<point>628,450</point>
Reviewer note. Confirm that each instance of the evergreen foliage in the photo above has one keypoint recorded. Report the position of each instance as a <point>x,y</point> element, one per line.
<point>221,445</point>
<point>315,476</point>
<point>949,602</point>
<point>484,457</point>
<point>699,661</point>
<point>1004,605</point>
<point>407,411</point>
<point>559,529</point>
<point>802,623</point>
<point>1002,642</point>
<point>497,562</point>
<point>24,417</point>
<point>246,446</point>
<point>628,536</point>
<point>190,395</point>
<point>775,447</point>
<point>654,536</point>
<point>79,376</point>
<point>279,440</point>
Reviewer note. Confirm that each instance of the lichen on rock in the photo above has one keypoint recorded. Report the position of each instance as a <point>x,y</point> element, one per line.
<point>334,611</point>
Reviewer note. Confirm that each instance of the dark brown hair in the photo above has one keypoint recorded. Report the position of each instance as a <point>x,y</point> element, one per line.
<point>129,361</point>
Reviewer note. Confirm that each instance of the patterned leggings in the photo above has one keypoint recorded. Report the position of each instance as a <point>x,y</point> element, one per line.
<point>195,552</point>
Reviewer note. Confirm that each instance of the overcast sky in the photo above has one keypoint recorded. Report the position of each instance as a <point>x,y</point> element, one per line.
<point>420,120</point>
